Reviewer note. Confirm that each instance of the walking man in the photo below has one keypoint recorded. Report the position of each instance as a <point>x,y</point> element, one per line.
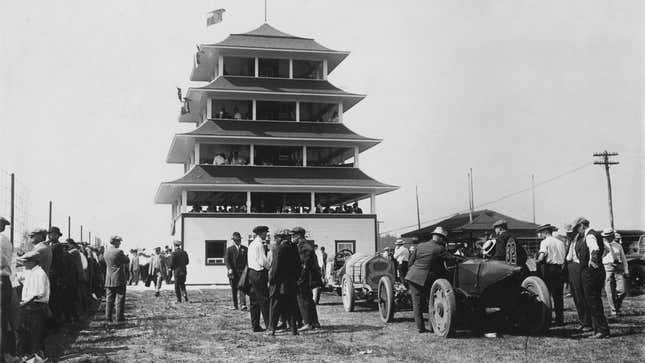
<point>309,275</point>
<point>426,266</point>
<point>616,269</point>
<point>178,263</point>
<point>551,255</point>
<point>236,260</point>
<point>589,249</point>
<point>157,270</point>
<point>134,268</point>
<point>283,278</point>
<point>258,276</point>
<point>116,277</point>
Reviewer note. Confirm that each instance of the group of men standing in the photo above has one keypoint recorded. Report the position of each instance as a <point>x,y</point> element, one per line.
<point>53,283</point>
<point>278,277</point>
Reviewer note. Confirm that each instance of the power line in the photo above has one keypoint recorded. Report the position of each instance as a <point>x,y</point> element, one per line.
<point>506,196</point>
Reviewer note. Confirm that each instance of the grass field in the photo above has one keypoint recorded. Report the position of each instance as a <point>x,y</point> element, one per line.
<point>160,330</point>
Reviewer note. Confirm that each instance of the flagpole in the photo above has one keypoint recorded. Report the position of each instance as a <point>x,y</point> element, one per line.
<point>265,11</point>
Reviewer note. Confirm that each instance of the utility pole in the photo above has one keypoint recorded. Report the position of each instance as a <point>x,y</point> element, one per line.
<point>13,207</point>
<point>418,215</point>
<point>81,240</point>
<point>50,215</point>
<point>533,194</point>
<point>604,160</point>
<point>89,238</point>
<point>69,227</point>
<point>471,196</point>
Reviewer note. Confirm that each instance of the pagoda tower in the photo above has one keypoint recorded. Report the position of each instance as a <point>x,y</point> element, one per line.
<point>271,148</point>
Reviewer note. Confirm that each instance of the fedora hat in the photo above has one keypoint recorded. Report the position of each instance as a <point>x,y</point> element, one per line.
<point>260,229</point>
<point>399,242</point>
<point>298,230</point>
<point>607,232</point>
<point>56,230</point>
<point>579,221</point>
<point>440,231</point>
<point>500,223</point>
<point>546,227</point>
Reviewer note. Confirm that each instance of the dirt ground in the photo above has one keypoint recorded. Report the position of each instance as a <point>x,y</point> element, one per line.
<point>161,330</point>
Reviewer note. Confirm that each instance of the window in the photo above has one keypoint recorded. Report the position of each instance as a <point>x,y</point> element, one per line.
<point>215,251</point>
<point>346,245</point>
<point>224,154</point>
<point>307,69</point>
<point>278,111</point>
<point>273,68</point>
<point>329,156</point>
<point>231,109</point>
<point>318,112</point>
<point>278,155</point>
<point>280,202</point>
<point>238,66</point>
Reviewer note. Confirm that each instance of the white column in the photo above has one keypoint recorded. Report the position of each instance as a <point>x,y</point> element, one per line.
<point>297,111</point>
<point>257,67</point>
<point>372,203</point>
<point>248,202</point>
<point>184,201</point>
<point>356,156</point>
<point>197,156</point>
<point>304,155</point>
<point>209,108</point>
<point>313,203</point>
<point>255,109</point>
<point>220,65</point>
<point>324,73</point>
<point>340,112</point>
<point>251,154</point>
<point>291,68</point>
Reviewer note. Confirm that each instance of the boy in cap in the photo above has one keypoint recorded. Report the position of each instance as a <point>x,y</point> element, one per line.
<point>616,269</point>
<point>552,255</point>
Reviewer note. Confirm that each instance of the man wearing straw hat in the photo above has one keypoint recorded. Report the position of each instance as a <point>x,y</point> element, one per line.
<point>426,266</point>
<point>616,269</point>
<point>552,255</point>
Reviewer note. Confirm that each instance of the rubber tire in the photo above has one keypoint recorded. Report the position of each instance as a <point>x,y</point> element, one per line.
<point>347,286</point>
<point>444,307</point>
<point>316,295</point>
<point>636,279</point>
<point>385,299</point>
<point>537,286</point>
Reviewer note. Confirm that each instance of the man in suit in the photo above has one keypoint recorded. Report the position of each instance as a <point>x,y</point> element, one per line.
<point>236,260</point>
<point>134,268</point>
<point>309,275</point>
<point>283,278</point>
<point>157,269</point>
<point>116,277</point>
<point>426,264</point>
<point>178,263</point>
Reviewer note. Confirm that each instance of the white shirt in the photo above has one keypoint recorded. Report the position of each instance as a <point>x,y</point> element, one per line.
<point>401,254</point>
<point>572,256</point>
<point>617,256</point>
<point>257,258</point>
<point>591,241</point>
<point>35,284</point>
<point>319,257</point>
<point>553,250</point>
<point>6,254</point>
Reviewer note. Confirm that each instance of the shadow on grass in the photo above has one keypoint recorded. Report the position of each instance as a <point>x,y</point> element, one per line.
<point>347,328</point>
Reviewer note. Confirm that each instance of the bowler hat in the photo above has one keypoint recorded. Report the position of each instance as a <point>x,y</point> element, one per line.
<point>607,232</point>
<point>260,229</point>
<point>546,227</point>
<point>440,231</point>
<point>500,223</point>
<point>56,230</point>
<point>298,230</point>
<point>4,222</point>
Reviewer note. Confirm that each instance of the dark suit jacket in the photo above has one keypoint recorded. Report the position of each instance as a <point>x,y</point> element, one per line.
<point>178,262</point>
<point>236,260</point>
<point>285,270</point>
<point>310,273</point>
<point>426,263</point>
<point>117,264</point>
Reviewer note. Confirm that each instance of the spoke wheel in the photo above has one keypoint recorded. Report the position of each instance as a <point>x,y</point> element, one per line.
<point>442,308</point>
<point>348,293</point>
<point>385,299</point>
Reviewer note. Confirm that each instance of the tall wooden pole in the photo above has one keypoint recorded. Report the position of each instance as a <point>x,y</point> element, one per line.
<point>69,227</point>
<point>418,215</point>
<point>50,215</point>
<point>533,195</point>
<point>606,162</point>
<point>13,207</point>
<point>81,240</point>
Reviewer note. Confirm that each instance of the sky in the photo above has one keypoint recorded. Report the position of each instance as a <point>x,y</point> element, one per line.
<point>508,88</point>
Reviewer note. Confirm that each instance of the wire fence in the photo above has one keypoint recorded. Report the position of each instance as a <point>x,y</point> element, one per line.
<point>29,214</point>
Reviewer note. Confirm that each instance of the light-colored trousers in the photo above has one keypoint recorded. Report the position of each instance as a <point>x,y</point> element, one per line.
<point>615,287</point>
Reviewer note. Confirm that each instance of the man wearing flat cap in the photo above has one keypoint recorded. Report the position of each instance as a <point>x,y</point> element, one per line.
<point>258,275</point>
<point>426,265</point>
<point>589,249</point>
<point>283,278</point>
<point>41,254</point>
<point>178,263</point>
<point>551,256</point>
<point>309,276</point>
<point>116,278</point>
<point>236,260</point>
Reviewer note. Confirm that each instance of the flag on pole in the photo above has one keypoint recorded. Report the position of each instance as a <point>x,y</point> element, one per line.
<point>214,17</point>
